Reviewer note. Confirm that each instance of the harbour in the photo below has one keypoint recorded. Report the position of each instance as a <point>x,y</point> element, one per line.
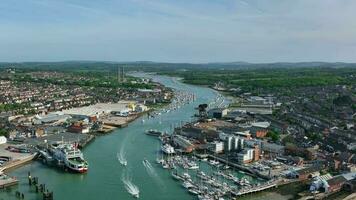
<point>116,160</point>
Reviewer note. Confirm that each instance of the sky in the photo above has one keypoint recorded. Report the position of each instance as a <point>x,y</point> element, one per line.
<point>196,31</point>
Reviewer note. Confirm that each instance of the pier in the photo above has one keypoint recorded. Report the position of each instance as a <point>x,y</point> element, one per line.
<point>240,167</point>
<point>259,188</point>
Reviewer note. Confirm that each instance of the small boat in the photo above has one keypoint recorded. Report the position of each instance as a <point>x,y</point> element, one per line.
<point>194,167</point>
<point>213,162</point>
<point>165,166</point>
<point>186,176</point>
<point>194,191</point>
<point>226,167</point>
<point>176,176</point>
<point>159,161</point>
<point>154,133</point>
<point>136,195</point>
<point>145,161</point>
<point>187,184</point>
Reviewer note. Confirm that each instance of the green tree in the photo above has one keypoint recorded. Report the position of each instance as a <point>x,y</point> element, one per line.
<point>273,135</point>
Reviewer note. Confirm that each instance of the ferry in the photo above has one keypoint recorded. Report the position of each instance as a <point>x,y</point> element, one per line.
<point>71,157</point>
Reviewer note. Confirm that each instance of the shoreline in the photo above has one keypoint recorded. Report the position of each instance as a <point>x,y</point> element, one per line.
<point>18,163</point>
<point>13,165</point>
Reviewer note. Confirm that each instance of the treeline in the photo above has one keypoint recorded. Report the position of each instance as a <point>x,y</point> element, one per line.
<point>270,78</point>
<point>12,106</point>
<point>93,81</point>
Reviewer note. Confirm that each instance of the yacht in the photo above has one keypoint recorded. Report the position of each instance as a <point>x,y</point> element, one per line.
<point>176,176</point>
<point>186,175</point>
<point>213,162</point>
<point>168,149</point>
<point>193,165</point>
<point>194,191</point>
<point>187,184</point>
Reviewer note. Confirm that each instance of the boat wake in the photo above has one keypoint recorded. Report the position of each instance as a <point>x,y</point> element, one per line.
<point>121,156</point>
<point>152,172</point>
<point>130,187</point>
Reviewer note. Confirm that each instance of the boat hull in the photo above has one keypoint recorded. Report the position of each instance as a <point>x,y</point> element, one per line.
<point>80,170</point>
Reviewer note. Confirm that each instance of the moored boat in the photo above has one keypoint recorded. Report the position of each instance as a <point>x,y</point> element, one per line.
<point>71,157</point>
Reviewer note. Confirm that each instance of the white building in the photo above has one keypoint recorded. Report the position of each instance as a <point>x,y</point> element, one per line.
<point>3,140</point>
<point>257,100</point>
<point>245,156</point>
<point>217,147</point>
<point>229,143</point>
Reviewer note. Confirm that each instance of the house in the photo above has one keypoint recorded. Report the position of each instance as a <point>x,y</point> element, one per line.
<point>305,173</point>
<point>78,128</point>
<point>350,185</point>
<point>335,184</point>
<point>259,129</point>
<point>273,148</point>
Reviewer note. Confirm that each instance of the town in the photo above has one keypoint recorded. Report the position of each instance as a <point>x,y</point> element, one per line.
<point>303,135</point>
<point>44,108</point>
<point>240,143</point>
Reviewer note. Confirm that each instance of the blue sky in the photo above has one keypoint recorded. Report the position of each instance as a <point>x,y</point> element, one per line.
<point>178,31</point>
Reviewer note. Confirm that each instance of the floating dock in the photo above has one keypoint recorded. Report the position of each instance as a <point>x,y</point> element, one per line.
<point>7,181</point>
<point>255,189</point>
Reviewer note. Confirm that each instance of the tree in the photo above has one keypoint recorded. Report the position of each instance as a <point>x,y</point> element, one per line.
<point>3,132</point>
<point>288,139</point>
<point>273,135</point>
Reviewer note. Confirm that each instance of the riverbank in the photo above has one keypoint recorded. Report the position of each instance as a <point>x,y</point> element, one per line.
<point>15,159</point>
<point>105,169</point>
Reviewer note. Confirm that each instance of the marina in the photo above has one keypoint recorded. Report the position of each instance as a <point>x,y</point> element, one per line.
<point>118,161</point>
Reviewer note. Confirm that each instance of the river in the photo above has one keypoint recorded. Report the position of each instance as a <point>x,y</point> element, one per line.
<point>104,178</point>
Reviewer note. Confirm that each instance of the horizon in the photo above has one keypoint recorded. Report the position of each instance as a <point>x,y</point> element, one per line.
<point>178,32</point>
<point>191,63</point>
